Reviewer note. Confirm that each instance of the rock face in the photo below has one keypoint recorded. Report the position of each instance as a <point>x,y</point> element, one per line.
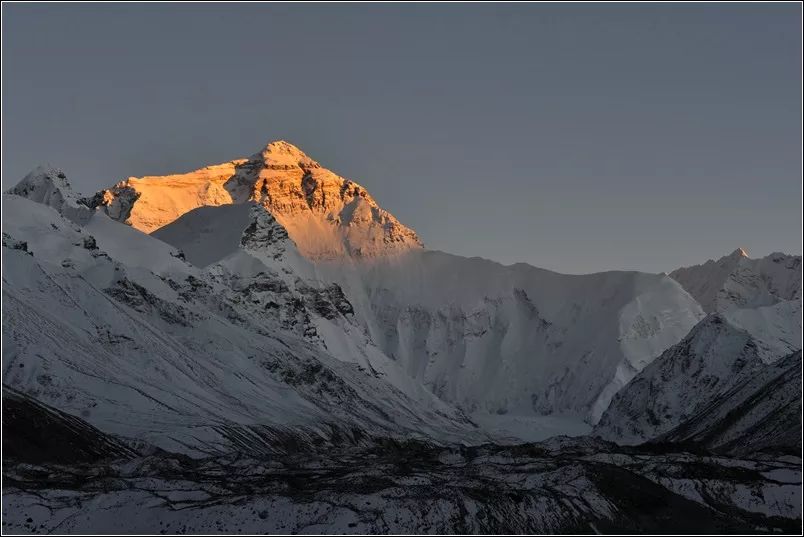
<point>737,281</point>
<point>327,216</point>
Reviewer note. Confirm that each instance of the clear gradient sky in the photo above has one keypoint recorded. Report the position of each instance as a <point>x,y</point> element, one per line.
<point>577,138</point>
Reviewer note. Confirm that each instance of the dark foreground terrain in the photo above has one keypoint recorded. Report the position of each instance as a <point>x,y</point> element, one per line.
<point>61,475</point>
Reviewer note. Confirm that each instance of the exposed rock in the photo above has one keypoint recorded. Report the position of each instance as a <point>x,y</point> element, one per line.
<point>142,300</point>
<point>264,233</point>
<point>90,243</point>
<point>10,242</point>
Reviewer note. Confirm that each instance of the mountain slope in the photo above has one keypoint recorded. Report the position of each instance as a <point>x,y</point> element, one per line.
<point>49,186</point>
<point>761,413</point>
<point>719,366</point>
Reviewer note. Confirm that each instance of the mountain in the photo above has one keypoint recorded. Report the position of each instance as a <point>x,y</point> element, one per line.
<point>49,186</point>
<point>470,340</point>
<point>498,340</point>
<point>737,281</point>
<point>260,342</point>
<point>326,215</point>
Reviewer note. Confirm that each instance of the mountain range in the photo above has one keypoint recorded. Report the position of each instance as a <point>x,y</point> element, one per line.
<point>266,320</point>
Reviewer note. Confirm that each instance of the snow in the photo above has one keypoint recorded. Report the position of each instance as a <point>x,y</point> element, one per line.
<point>776,329</point>
<point>207,234</point>
<point>755,320</point>
<point>651,323</point>
<point>515,340</point>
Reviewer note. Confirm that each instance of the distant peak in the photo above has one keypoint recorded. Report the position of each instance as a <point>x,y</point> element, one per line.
<point>284,155</point>
<point>283,146</point>
<point>739,252</point>
<point>40,179</point>
<point>49,186</point>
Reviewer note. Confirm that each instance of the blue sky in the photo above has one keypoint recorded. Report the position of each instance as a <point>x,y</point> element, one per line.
<point>573,137</point>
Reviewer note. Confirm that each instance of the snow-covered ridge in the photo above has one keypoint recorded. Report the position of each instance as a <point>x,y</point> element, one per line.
<point>737,281</point>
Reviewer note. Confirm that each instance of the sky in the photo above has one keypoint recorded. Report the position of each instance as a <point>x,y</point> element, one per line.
<point>574,137</point>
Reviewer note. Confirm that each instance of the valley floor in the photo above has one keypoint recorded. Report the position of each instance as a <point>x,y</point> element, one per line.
<point>514,429</point>
<point>563,485</point>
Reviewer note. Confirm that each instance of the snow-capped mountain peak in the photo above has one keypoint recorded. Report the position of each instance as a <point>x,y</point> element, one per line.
<point>326,215</point>
<point>284,155</point>
<point>49,186</point>
<point>739,252</point>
